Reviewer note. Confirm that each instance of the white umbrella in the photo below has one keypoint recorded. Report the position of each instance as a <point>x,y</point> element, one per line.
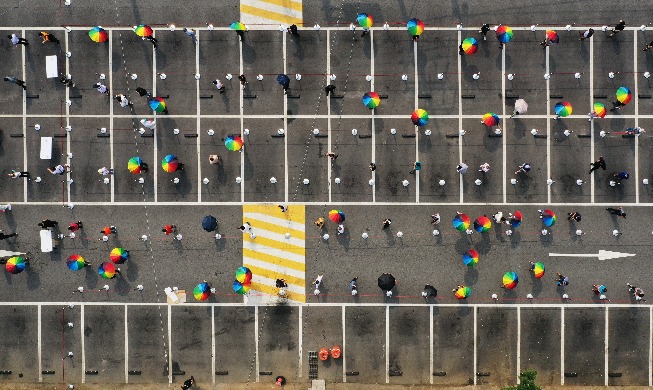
<point>521,106</point>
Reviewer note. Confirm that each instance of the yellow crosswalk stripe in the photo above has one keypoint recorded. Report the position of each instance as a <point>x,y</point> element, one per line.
<point>294,5</point>
<point>273,291</point>
<point>270,227</point>
<point>274,260</point>
<point>275,244</point>
<point>275,16</point>
<point>276,275</point>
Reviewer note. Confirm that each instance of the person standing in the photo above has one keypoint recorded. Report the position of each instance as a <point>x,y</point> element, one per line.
<point>319,222</point>
<point>152,40</point>
<point>485,168</point>
<point>16,40</point>
<point>67,81</point>
<point>372,167</point>
<point>47,224</point>
<point>5,207</point>
<point>243,80</point>
<point>435,219</point>
<point>619,27</point>
<point>523,168</point>
<point>330,89</point>
<point>292,30</point>
<point>101,88</point>
<point>485,28</point>
<point>108,230</point>
<point>586,34</point>
<point>124,102</point>
<point>17,174</point>
<point>191,33</point>
<point>4,236</point>
<point>47,37</point>
<point>600,163</point>
<point>104,171</point>
<point>75,226</point>
<point>341,229</point>
<point>241,34</point>
<point>149,123</point>
<point>218,84</point>
<point>169,229</point>
<point>386,223</point>
<point>562,280</point>
<point>619,212</point>
<point>142,91</point>
<point>574,216</point>
<point>283,208</point>
<point>353,286</point>
<point>462,168</point>
<point>17,81</point>
<point>649,46</point>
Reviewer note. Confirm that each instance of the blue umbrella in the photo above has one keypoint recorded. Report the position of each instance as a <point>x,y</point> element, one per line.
<point>284,80</point>
<point>209,223</point>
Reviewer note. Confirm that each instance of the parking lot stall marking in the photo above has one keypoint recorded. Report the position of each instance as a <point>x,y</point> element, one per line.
<point>605,349</point>
<point>518,342</point>
<point>82,326</point>
<point>271,12</point>
<point>650,346</point>
<point>373,119</point>
<point>548,127</point>
<point>328,72</point>
<point>460,123</point>
<point>636,98</point>
<point>126,337</point>
<point>504,141</point>
<point>169,344</point>
<point>271,256</point>
<point>285,124</point>
<point>242,126</point>
<point>24,115</point>
<point>67,94</point>
<point>431,344</point>
<point>591,108</point>
<point>562,345</point>
<point>475,345</point>
<point>256,342</point>
<point>154,163</point>
<point>344,348</point>
<point>198,122</point>
<point>39,340</point>
<point>416,78</point>
<point>387,344</point>
<point>213,344</point>
<point>300,344</point>
<point>111,139</point>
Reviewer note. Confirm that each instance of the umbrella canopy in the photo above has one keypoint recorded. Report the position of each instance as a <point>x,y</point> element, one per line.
<point>118,255</point>
<point>233,143</point>
<point>552,36</point>
<point>75,262</point>
<point>624,95</point>
<point>415,27</point>
<point>371,100</point>
<point>470,258</point>
<point>521,106</point>
<point>365,20</point>
<point>599,110</point>
<point>387,282</point>
<point>337,216</point>
<point>241,288</point>
<point>461,222</point>
<point>548,218</point>
<point>490,119</point>
<point>510,280</point>
<point>420,117</point>
<point>563,109</point>
<point>538,270</point>
<point>482,224</point>
<point>209,223</point>
<point>98,34</point>
<point>157,104</point>
<point>202,291</point>
<point>462,292</point>
<point>16,265</point>
<point>134,165</point>
<point>170,163</point>
<point>470,46</point>
<point>504,34</point>
<point>244,275</point>
<point>107,270</point>
<point>515,220</point>
<point>143,30</point>
<point>237,26</point>
<point>283,79</point>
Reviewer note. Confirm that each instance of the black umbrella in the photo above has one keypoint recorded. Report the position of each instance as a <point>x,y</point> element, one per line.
<point>209,223</point>
<point>284,80</point>
<point>430,291</point>
<point>387,282</point>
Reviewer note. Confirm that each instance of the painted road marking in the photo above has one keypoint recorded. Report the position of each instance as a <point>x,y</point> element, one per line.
<point>271,256</point>
<point>271,12</point>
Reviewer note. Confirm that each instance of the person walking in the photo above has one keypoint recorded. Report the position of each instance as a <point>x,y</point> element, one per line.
<point>485,28</point>
<point>152,40</point>
<point>562,280</point>
<point>124,102</point>
<point>462,168</point>
<point>619,27</point>
<point>142,91</point>
<point>637,292</point>
<point>243,80</point>
<point>330,89</point>
<point>241,34</point>
<point>191,33</point>
<point>523,168</point>
<point>245,228</point>
<point>283,208</point>
<point>585,34</point>
<point>574,216</point>
<point>292,30</point>
<point>16,40</point>
<point>319,222</point>
<point>353,286</point>
<point>435,219</point>
<point>386,223</point>
<point>619,211</point>
<point>317,283</point>
<point>341,229</point>
<point>67,81</point>
<point>101,88</point>
<point>4,236</point>
<point>372,167</point>
<point>188,383</point>
<point>600,163</point>
<point>75,226</point>
<point>108,230</point>
<point>332,155</point>
<point>17,174</point>
<point>648,47</point>
<point>169,229</point>
<point>5,207</point>
<point>59,169</point>
<point>617,105</point>
<point>218,84</point>
<point>104,171</point>
<point>47,224</point>
<point>17,81</point>
<point>485,168</point>
<point>47,37</point>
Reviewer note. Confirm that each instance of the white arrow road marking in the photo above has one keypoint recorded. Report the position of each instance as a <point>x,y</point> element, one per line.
<point>602,255</point>
<point>5,253</point>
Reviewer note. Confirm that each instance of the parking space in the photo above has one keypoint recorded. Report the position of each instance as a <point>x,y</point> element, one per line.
<point>570,161</point>
<point>128,143</point>
<point>354,157</point>
<point>496,337</point>
<point>186,151</point>
<point>434,57</point>
<point>523,147</point>
<point>90,153</point>
<point>222,185</point>
<point>19,346</point>
<point>323,329</point>
<point>176,58</point>
<point>55,355</point>
<point>212,67</point>
<point>262,53</point>
<point>309,161</point>
<point>645,164</point>
<point>527,72</point>
<point>453,346</point>
<point>104,344</point>
<point>11,95</point>
<point>147,348</point>
<point>487,89</point>
<point>264,158</point>
<point>540,344</point>
<point>11,157</point>
<point>350,62</point>
<point>408,351</point>
<point>567,58</point>
<point>479,148</point>
<point>235,347</point>
<point>628,346</point>
<point>306,55</point>
<point>584,347</point>
<point>51,93</point>
<point>91,102</point>
<point>131,55</point>
<point>439,155</point>
<point>387,74</point>
<point>191,345</point>
<point>395,156</point>
<point>619,154</point>
<point>605,87</point>
<point>52,188</point>
<point>365,349</point>
<point>278,335</point>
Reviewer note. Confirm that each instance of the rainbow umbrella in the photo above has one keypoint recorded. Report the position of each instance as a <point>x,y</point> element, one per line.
<point>552,36</point>
<point>238,26</point>
<point>491,119</point>
<point>244,275</point>
<point>563,109</point>
<point>504,34</point>
<point>119,255</point>
<point>624,95</point>
<point>16,265</point>
<point>75,262</point>
<point>482,224</point>
<point>170,163</point>
<point>233,142</point>
<point>202,291</point>
<point>463,292</point>
<point>98,34</point>
<point>107,270</point>
<point>371,100</point>
<point>157,104</point>
<point>538,270</point>
<point>365,20</point>
<point>510,280</point>
<point>549,218</point>
<point>515,220</point>
<point>241,288</point>
<point>415,27</point>
<point>420,117</point>
<point>599,110</point>
<point>470,258</point>
<point>470,46</point>
<point>337,216</point>
<point>461,222</point>
<point>134,165</point>
<point>143,30</point>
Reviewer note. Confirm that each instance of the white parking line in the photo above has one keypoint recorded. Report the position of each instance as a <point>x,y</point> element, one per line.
<point>242,122</point>
<point>155,148</point>
<point>24,76</point>
<point>562,346</point>
<point>605,349</point>
<point>387,344</point>
<point>39,341</point>
<point>431,345</point>
<point>111,137</point>
<point>69,135</point>
<point>199,134</point>
<point>169,344</point>
<point>300,345</point>
<point>372,88</point>
<point>650,346</point>
<point>416,128</point>
<point>329,178</point>
<point>548,128</point>
<point>256,342</point>
<point>636,98</point>
<point>460,124</point>
<point>475,345</point>
<point>344,346</point>
<point>504,141</point>
<point>592,158</point>
<point>213,344</point>
<point>126,337</point>
<point>518,343</point>
<point>82,326</point>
